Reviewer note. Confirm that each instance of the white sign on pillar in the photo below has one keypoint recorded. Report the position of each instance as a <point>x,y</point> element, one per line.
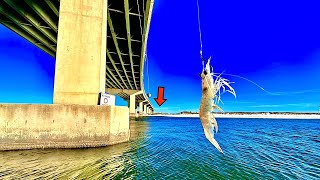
<point>107,99</point>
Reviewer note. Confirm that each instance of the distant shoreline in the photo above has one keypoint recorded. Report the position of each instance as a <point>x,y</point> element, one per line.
<point>259,116</point>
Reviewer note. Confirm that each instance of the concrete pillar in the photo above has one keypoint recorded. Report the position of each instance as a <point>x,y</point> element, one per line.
<point>81,52</point>
<point>145,109</point>
<point>141,108</point>
<point>132,105</point>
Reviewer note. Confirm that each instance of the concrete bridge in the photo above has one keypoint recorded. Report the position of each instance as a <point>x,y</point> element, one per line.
<point>99,46</point>
<point>127,29</point>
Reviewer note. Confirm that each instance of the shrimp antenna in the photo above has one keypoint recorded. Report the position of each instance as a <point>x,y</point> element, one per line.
<point>260,87</point>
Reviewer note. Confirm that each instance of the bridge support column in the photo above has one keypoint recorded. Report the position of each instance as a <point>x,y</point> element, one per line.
<point>132,105</point>
<point>145,109</point>
<point>81,52</point>
<point>75,119</point>
<point>141,108</point>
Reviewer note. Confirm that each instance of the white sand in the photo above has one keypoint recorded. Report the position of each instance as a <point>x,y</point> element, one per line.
<point>264,116</point>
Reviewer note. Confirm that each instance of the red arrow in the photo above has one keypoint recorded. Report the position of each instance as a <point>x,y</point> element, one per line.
<point>160,99</point>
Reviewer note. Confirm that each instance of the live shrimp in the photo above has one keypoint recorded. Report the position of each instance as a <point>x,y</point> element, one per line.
<point>211,91</point>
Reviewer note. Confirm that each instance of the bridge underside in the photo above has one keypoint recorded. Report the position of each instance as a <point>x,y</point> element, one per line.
<point>128,24</point>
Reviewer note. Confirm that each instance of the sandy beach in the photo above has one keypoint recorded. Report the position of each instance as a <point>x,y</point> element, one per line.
<point>263,116</point>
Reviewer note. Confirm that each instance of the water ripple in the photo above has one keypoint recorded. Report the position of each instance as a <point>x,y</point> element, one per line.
<point>175,148</point>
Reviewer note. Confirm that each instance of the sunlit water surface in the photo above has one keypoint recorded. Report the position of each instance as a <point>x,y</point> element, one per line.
<point>175,148</point>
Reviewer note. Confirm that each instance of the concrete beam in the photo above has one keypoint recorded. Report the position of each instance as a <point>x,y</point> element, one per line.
<point>114,37</point>
<point>29,29</point>
<point>81,52</point>
<point>113,83</point>
<point>127,91</point>
<point>110,84</point>
<point>126,7</point>
<point>134,14</point>
<point>52,6</point>
<point>28,37</point>
<point>147,20</point>
<point>31,18</point>
<point>115,67</point>
<point>43,14</point>
<point>125,40</point>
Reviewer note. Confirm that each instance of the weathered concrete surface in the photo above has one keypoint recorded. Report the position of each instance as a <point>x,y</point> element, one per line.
<point>132,105</point>
<point>25,126</point>
<point>141,108</point>
<point>81,52</point>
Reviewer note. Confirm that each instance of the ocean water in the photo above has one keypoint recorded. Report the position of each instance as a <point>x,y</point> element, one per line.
<point>176,148</point>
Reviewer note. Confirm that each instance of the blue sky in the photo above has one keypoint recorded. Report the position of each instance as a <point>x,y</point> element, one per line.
<point>275,44</point>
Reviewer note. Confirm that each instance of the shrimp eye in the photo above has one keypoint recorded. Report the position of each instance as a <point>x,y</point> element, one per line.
<point>205,72</point>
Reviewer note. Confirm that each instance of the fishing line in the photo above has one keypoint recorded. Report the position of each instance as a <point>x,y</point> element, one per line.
<point>246,80</point>
<point>199,25</point>
<point>199,28</point>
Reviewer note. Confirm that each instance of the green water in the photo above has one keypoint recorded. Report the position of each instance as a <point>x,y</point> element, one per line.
<point>175,148</point>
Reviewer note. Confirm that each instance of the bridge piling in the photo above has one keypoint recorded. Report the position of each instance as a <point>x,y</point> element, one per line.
<point>75,33</point>
<point>145,109</point>
<point>75,119</point>
<point>81,52</point>
<point>141,108</point>
<point>132,105</point>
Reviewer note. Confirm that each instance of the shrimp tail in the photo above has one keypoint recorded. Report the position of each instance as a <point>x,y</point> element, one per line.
<point>209,135</point>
